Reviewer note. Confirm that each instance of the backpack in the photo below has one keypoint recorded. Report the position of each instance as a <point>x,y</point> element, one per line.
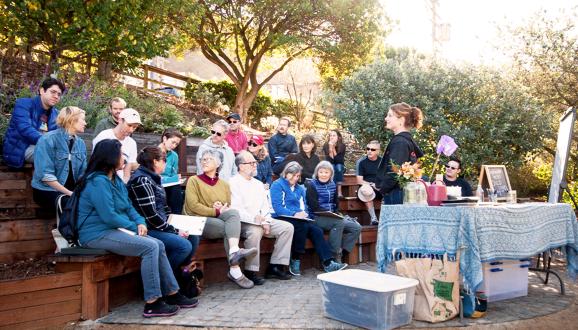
<point>67,216</point>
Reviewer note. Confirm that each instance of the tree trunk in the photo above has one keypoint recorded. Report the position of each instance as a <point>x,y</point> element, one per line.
<point>104,70</point>
<point>53,65</point>
<point>243,102</point>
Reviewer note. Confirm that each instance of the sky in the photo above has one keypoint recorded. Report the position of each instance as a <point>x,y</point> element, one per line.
<point>473,33</point>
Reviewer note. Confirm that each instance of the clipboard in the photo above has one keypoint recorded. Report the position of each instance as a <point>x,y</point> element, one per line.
<point>288,217</point>
<point>328,214</point>
<point>194,225</point>
<point>174,183</point>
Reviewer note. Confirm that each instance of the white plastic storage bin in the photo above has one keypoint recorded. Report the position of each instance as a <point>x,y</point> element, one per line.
<point>505,279</point>
<point>368,299</point>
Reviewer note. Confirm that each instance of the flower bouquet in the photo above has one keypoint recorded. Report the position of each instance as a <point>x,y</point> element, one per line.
<point>408,176</point>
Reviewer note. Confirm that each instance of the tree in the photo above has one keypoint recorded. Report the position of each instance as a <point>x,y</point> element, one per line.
<point>237,35</point>
<point>545,55</point>
<point>118,34</point>
<point>491,119</point>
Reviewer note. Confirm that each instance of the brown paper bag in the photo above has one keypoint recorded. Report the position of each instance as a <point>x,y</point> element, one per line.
<point>437,296</point>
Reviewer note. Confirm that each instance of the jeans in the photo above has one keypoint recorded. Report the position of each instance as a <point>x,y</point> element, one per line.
<point>156,273</point>
<point>343,233</point>
<point>175,198</point>
<point>304,230</point>
<point>338,170</point>
<point>393,197</point>
<point>180,251</point>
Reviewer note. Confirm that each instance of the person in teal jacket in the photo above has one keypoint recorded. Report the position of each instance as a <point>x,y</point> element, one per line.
<point>107,220</point>
<point>170,178</point>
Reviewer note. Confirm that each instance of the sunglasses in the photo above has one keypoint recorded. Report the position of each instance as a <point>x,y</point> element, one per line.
<point>215,132</point>
<point>253,144</point>
<point>233,121</point>
<point>370,149</point>
<point>453,168</point>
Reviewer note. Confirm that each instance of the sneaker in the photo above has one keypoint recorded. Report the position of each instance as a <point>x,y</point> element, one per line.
<point>295,267</point>
<point>178,299</point>
<point>334,266</point>
<point>159,308</point>
<point>235,258</point>
<point>374,222</point>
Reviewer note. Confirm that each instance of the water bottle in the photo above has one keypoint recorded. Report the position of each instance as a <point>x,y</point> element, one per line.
<point>480,194</point>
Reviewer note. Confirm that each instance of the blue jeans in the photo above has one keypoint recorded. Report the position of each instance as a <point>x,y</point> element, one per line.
<point>338,170</point>
<point>180,251</point>
<point>393,197</point>
<point>302,231</point>
<point>157,276</point>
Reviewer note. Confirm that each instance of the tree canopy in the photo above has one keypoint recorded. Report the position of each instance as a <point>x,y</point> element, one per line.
<point>236,35</point>
<point>121,33</point>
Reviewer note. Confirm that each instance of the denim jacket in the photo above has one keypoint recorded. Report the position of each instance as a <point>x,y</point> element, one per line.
<point>51,159</point>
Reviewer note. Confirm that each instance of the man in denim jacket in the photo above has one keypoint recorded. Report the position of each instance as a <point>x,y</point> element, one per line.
<point>32,117</point>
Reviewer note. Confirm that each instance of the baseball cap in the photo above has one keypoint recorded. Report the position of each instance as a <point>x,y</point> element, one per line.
<point>258,139</point>
<point>130,116</point>
<point>234,116</point>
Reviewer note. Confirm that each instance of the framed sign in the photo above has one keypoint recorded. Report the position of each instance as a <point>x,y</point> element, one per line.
<point>495,177</point>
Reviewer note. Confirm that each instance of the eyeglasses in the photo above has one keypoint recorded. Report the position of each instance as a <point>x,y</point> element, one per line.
<point>253,144</point>
<point>250,163</point>
<point>215,132</point>
<point>233,121</point>
<point>164,159</point>
<point>370,149</point>
<point>453,168</point>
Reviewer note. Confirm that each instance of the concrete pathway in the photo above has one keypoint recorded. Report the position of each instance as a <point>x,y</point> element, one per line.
<point>297,304</point>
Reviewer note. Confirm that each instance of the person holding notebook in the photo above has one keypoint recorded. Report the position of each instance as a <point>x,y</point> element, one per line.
<point>249,197</point>
<point>322,196</point>
<point>289,204</point>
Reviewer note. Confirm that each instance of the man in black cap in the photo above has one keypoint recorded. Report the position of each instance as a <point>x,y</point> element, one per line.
<point>236,138</point>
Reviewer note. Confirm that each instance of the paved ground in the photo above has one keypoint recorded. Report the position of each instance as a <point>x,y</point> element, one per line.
<point>297,304</point>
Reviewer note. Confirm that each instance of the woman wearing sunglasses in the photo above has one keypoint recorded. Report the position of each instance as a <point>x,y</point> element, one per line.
<point>400,119</point>
<point>217,142</point>
<point>264,168</point>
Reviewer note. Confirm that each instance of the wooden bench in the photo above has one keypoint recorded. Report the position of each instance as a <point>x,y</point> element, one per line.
<point>111,280</point>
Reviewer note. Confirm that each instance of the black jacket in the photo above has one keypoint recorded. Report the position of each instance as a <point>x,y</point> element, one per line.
<point>149,199</point>
<point>401,148</point>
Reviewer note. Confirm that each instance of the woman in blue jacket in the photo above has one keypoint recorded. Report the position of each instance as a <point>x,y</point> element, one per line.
<point>59,159</point>
<point>288,199</point>
<point>107,220</point>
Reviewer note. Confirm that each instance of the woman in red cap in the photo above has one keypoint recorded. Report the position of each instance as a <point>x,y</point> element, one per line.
<point>264,169</point>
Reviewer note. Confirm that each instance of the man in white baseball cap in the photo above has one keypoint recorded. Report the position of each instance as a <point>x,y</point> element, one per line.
<point>129,121</point>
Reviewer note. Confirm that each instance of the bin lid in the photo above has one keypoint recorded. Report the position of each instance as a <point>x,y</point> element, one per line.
<point>373,281</point>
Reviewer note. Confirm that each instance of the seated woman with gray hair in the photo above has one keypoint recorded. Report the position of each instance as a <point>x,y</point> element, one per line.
<point>289,204</point>
<point>322,196</point>
<point>208,196</point>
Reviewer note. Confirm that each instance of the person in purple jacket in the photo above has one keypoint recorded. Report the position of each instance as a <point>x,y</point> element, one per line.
<point>31,118</point>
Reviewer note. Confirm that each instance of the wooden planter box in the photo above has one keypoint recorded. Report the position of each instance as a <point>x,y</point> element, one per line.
<point>41,302</point>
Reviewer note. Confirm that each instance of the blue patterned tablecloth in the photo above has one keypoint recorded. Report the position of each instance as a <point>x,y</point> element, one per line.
<point>509,231</point>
